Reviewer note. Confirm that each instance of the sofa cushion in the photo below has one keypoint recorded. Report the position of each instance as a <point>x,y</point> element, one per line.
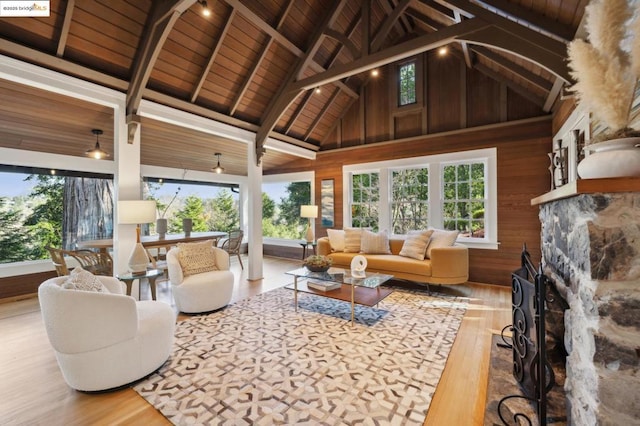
<point>389,263</point>
<point>441,238</point>
<point>196,258</point>
<point>375,243</point>
<point>352,237</point>
<point>415,245</point>
<point>336,239</point>
<point>79,279</point>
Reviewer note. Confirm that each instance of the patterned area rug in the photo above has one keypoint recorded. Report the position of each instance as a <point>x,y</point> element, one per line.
<point>259,362</point>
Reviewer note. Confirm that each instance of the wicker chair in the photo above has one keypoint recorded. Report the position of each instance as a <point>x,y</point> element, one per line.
<point>233,244</point>
<point>98,263</point>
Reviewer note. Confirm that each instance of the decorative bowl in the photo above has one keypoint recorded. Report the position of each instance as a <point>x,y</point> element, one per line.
<point>317,263</point>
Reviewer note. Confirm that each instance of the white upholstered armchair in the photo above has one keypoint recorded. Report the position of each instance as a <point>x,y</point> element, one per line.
<point>104,340</point>
<point>200,291</point>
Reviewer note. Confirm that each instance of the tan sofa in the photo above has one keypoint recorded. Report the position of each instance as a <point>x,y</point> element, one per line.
<point>448,265</point>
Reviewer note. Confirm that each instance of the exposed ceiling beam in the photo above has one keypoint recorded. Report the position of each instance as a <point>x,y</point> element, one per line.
<point>160,23</point>
<point>465,49</point>
<point>301,106</point>
<point>428,21</point>
<point>281,39</point>
<point>366,28</point>
<point>285,96</point>
<point>510,84</point>
<point>511,36</point>
<point>321,114</point>
<point>393,54</point>
<point>256,65</point>
<point>64,31</point>
<point>388,23</point>
<point>213,55</point>
<point>344,41</point>
<point>506,40</point>
<point>443,11</point>
<point>500,60</point>
<point>553,94</point>
<point>530,17</point>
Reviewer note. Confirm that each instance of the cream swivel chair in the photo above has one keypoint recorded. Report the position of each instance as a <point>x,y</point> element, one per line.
<point>197,292</point>
<point>104,340</point>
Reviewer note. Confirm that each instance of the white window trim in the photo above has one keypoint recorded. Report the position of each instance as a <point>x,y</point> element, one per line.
<point>434,164</point>
<point>289,177</point>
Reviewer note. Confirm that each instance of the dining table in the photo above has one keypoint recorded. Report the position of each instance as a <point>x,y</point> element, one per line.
<point>154,241</point>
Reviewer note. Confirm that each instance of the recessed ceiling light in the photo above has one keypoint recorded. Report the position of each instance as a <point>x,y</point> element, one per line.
<point>375,73</point>
<point>443,51</point>
<point>318,90</point>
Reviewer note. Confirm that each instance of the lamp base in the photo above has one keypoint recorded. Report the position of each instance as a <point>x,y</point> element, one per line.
<point>138,260</point>
<point>309,237</point>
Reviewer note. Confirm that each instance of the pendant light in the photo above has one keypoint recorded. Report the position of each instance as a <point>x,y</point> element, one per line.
<point>218,169</point>
<point>97,152</point>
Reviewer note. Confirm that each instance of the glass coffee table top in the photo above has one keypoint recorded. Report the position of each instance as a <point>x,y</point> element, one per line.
<point>343,276</point>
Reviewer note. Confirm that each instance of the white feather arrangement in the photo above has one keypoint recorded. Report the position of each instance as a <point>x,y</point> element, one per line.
<point>607,66</point>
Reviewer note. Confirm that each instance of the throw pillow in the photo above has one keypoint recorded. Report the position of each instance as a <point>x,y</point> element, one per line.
<point>375,243</point>
<point>196,258</point>
<point>415,245</point>
<point>82,280</point>
<point>441,238</point>
<point>352,240</point>
<point>336,239</point>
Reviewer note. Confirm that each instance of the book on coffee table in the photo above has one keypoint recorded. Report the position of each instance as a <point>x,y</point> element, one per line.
<point>323,285</point>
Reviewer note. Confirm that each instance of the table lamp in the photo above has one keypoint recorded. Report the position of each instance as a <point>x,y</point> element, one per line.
<point>309,212</point>
<point>136,212</point>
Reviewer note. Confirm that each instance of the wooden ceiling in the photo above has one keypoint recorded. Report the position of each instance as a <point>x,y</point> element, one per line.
<point>254,64</point>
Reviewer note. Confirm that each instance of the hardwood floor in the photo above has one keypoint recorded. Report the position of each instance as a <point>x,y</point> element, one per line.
<point>33,392</point>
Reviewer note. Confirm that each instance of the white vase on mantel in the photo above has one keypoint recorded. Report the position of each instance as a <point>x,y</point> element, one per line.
<point>611,159</point>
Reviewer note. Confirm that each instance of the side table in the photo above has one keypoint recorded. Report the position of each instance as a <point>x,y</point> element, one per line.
<point>151,275</point>
<point>305,245</point>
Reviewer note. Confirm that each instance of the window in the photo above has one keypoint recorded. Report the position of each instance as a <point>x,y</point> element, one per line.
<point>282,196</point>
<point>464,201</point>
<point>446,191</point>
<point>364,200</point>
<point>42,207</point>
<point>407,84</point>
<point>410,200</point>
<point>212,206</point>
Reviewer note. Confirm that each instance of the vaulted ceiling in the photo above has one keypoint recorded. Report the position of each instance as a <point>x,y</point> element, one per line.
<point>254,64</point>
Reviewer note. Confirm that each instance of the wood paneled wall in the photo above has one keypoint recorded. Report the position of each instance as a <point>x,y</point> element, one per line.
<point>450,96</point>
<point>522,175</point>
<point>23,285</point>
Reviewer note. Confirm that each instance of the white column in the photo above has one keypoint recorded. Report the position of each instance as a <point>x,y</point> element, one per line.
<point>254,216</point>
<point>127,187</point>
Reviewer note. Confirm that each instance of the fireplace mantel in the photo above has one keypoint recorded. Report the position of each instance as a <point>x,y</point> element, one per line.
<point>589,186</point>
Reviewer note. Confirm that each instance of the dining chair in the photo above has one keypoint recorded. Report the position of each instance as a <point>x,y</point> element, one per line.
<point>233,244</point>
<point>98,263</point>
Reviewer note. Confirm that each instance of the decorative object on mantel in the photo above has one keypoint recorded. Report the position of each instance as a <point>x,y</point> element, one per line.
<point>559,166</point>
<point>612,158</point>
<point>607,71</point>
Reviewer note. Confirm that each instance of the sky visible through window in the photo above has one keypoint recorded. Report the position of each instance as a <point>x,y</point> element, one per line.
<point>14,185</point>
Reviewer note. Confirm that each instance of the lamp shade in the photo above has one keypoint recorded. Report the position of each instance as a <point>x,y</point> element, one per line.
<point>309,211</point>
<point>134,212</point>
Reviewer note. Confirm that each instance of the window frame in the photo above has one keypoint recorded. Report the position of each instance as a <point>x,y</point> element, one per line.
<point>414,62</point>
<point>290,177</point>
<point>434,163</point>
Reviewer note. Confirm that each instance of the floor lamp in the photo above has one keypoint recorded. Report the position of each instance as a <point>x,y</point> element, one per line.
<point>137,212</point>
<point>309,212</point>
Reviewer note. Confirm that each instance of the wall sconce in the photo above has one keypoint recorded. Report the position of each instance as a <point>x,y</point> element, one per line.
<point>218,169</point>
<point>96,152</point>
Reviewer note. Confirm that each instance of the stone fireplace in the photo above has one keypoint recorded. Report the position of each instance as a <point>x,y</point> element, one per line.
<point>591,251</point>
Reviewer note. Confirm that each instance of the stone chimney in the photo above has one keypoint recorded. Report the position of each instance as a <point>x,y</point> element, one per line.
<point>591,249</point>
